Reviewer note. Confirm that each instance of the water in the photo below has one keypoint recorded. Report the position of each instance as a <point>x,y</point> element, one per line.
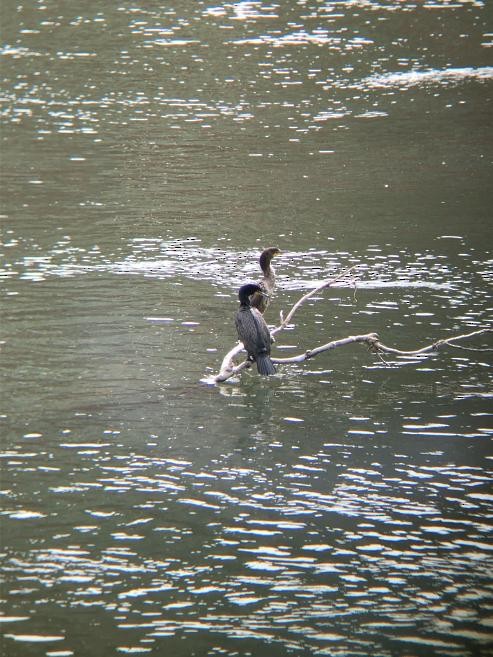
<point>149,152</point>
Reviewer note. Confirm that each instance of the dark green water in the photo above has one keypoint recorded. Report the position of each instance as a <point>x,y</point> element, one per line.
<point>148,152</point>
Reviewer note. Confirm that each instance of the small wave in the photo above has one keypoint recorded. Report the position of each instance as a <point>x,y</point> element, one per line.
<point>18,51</point>
<point>430,77</point>
<point>375,284</point>
<point>303,38</point>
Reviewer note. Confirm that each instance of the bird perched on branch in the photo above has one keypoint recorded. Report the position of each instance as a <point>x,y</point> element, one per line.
<point>260,300</point>
<point>253,331</point>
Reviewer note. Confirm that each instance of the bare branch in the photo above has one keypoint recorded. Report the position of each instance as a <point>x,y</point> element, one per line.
<point>229,369</point>
<point>322,286</point>
<point>370,338</point>
<point>435,346</point>
<point>378,348</point>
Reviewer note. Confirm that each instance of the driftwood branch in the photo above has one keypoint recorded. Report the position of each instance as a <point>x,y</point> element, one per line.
<point>435,346</point>
<point>228,367</point>
<point>377,347</point>
<point>372,340</point>
<point>322,286</point>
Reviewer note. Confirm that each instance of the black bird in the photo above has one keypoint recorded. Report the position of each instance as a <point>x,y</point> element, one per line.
<point>253,331</point>
<point>260,300</point>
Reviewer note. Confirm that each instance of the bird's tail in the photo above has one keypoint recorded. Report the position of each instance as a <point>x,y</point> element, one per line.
<point>264,365</point>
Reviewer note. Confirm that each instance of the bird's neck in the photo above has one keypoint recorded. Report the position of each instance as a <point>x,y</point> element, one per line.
<point>265,265</point>
<point>269,273</point>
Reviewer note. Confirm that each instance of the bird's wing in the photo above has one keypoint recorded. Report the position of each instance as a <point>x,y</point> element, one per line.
<point>262,330</point>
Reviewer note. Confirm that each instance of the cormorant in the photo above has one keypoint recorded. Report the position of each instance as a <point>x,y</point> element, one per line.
<point>253,331</point>
<point>260,300</point>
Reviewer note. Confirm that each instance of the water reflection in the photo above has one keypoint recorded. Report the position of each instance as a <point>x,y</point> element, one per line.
<point>376,266</point>
<point>422,78</point>
<point>150,152</point>
<point>284,551</point>
<point>340,47</point>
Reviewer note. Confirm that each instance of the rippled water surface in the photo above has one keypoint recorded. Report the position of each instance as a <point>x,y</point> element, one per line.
<point>149,151</point>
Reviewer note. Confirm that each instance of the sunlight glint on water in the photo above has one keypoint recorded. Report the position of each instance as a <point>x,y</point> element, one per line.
<point>343,507</point>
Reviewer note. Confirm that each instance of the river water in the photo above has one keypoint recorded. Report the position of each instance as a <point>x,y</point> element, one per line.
<point>149,152</point>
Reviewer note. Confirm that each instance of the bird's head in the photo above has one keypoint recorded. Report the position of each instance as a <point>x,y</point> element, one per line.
<point>246,291</point>
<point>267,255</point>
